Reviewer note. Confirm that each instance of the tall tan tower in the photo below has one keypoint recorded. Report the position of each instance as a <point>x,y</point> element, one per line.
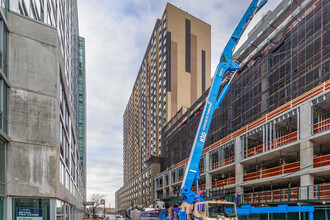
<point>174,73</point>
<point>190,58</point>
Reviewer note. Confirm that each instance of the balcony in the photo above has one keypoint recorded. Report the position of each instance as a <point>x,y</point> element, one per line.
<point>224,182</point>
<point>320,161</point>
<point>175,180</point>
<point>321,114</point>
<point>229,160</point>
<point>274,171</point>
<point>276,133</point>
<point>294,194</point>
<point>201,187</point>
<point>286,139</point>
<point>226,161</point>
<point>321,126</point>
<point>222,156</point>
<point>215,165</point>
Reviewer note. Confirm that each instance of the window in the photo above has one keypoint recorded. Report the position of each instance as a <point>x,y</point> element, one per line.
<point>2,210</point>
<point>59,210</point>
<point>42,205</point>
<point>4,48</point>
<point>280,12</point>
<point>3,106</point>
<point>2,162</point>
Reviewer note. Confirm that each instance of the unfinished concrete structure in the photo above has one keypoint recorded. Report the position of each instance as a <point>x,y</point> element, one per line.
<point>269,141</point>
<point>43,167</point>
<point>174,72</point>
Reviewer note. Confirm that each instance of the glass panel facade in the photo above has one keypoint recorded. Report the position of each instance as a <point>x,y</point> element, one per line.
<point>41,204</point>
<point>2,209</point>
<point>4,109</point>
<point>2,162</point>
<point>3,72</point>
<point>81,112</point>
<point>59,210</point>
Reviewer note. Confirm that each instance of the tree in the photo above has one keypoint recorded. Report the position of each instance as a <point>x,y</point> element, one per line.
<point>96,199</point>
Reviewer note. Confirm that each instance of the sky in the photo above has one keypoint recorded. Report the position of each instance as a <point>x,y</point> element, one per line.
<point>117,33</point>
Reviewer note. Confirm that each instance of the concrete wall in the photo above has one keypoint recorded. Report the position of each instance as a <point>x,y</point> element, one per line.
<point>33,126</point>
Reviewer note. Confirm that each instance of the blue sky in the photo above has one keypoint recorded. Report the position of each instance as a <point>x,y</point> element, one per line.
<point>117,34</point>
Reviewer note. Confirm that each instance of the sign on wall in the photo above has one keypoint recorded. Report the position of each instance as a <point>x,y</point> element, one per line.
<point>29,213</point>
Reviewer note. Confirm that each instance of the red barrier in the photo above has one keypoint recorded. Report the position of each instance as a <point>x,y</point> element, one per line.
<point>321,126</point>
<point>321,161</point>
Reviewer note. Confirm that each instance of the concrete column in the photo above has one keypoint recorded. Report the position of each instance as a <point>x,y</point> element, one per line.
<point>238,149</point>
<point>169,178</point>
<point>208,176</point>
<point>239,168</point>
<point>306,155</point>
<point>239,173</point>
<point>170,191</point>
<point>52,207</point>
<point>155,189</point>
<point>305,121</point>
<point>164,190</point>
<point>208,181</point>
<point>306,186</point>
<point>306,163</point>
<point>239,190</point>
<point>207,162</point>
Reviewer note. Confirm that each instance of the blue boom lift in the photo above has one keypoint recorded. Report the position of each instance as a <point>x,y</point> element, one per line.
<point>226,67</point>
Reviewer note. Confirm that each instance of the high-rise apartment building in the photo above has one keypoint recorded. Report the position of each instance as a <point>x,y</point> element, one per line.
<point>174,72</point>
<point>42,132</point>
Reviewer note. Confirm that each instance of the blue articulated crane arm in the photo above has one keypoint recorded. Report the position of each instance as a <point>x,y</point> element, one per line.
<point>213,102</point>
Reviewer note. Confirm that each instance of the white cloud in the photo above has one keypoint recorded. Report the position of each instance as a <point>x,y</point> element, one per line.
<point>117,34</point>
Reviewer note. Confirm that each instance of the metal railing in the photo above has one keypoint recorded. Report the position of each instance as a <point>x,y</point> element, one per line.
<point>272,144</point>
<point>320,161</point>
<point>279,170</point>
<point>321,126</point>
<point>320,192</point>
<point>224,182</point>
<point>290,194</point>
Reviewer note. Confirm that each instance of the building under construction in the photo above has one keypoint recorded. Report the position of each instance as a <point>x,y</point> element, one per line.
<point>269,140</point>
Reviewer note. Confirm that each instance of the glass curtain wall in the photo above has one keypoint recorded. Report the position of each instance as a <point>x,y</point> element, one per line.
<point>27,207</point>
<point>2,175</point>
<point>2,162</point>
<point>3,69</point>
<point>2,209</point>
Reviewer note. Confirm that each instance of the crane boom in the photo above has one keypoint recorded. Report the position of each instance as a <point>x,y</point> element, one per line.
<point>213,101</point>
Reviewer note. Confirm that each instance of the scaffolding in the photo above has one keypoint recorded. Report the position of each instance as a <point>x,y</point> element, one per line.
<point>291,59</point>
